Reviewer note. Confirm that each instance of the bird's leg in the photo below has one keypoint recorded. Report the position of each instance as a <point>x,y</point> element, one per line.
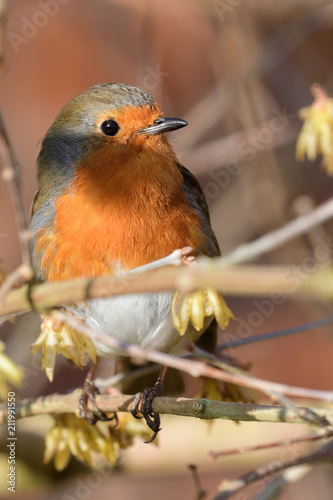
<point>143,403</point>
<point>89,390</point>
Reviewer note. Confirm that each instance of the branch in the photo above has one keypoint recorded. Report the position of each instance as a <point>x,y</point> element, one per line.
<point>324,454</point>
<point>276,397</point>
<point>220,153</point>
<point>321,434</point>
<point>200,493</point>
<point>248,281</point>
<point>289,476</point>
<point>11,174</point>
<point>277,334</point>
<point>188,407</point>
<point>275,239</point>
<point>194,368</point>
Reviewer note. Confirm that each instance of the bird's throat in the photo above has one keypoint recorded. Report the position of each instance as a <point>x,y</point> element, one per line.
<point>105,223</point>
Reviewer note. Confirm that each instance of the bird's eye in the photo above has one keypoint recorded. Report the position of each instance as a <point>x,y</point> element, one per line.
<point>110,127</point>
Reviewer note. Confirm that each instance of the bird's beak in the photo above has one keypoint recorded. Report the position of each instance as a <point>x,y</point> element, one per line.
<point>162,125</point>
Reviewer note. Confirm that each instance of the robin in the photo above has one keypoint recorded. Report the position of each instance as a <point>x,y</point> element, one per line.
<point>112,197</point>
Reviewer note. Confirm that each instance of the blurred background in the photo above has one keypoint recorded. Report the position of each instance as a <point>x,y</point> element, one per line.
<point>238,71</point>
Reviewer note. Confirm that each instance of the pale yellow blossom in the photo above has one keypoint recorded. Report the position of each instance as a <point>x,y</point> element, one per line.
<point>196,306</point>
<point>10,373</point>
<point>71,435</point>
<point>316,136</point>
<point>74,436</point>
<point>128,429</point>
<point>57,337</point>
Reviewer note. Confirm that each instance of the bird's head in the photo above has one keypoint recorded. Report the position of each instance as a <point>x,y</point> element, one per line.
<point>113,112</point>
<point>111,130</point>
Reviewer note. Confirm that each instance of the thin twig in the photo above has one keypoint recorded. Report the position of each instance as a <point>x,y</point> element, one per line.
<point>194,368</point>
<point>223,152</point>
<point>11,174</point>
<point>117,379</point>
<point>200,493</point>
<point>3,7</point>
<point>321,434</point>
<point>288,476</point>
<point>229,488</point>
<point>275,239</point>
<point>281,399</point>
<point>278,334</point>
<point>207,112</point>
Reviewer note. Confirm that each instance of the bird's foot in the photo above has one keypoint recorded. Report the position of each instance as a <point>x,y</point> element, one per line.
<point>143,403</point>
<point>89,390</point>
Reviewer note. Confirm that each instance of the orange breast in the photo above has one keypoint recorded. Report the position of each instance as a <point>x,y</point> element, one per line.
<point>106,222</point>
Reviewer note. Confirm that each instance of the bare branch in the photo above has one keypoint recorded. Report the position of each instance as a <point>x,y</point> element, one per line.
<point>200,493</point>
<point>220,153</point>
<point>251,280</point>
<point>275,396</point>
<point>321,434</point>
<point>288,476</point>
<point>277,334</point>
<point>11,174</point>
<point>275,239</point>
<point>194,368</point>
<point>324,454</point>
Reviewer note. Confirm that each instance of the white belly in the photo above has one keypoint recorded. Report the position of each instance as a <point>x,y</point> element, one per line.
<point>142,319</point>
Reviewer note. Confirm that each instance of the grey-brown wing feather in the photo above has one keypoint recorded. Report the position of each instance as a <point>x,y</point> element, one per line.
<point>196,198</point>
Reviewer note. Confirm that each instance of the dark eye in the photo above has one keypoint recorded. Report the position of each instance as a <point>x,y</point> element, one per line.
<point>110,127</point>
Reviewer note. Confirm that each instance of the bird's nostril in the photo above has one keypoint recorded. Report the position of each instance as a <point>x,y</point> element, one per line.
<point>158,121</point>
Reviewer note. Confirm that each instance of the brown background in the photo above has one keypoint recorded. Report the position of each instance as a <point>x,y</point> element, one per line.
<point>228,67</point>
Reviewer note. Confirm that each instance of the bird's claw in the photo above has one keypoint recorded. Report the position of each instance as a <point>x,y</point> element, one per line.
<point>143,404</point>
<point>89,391</point>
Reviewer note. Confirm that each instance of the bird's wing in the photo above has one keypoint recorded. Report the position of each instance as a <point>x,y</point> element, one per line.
<point>196,198</point>
<point>33,208</point>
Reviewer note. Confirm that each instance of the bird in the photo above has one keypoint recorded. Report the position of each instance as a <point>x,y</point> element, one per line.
<point>112,197</point>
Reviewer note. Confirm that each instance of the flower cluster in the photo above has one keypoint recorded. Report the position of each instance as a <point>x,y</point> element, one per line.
<point>71,435</point>
<point>316,136</point>
<point>196,306</point>
<point>57,337</point>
